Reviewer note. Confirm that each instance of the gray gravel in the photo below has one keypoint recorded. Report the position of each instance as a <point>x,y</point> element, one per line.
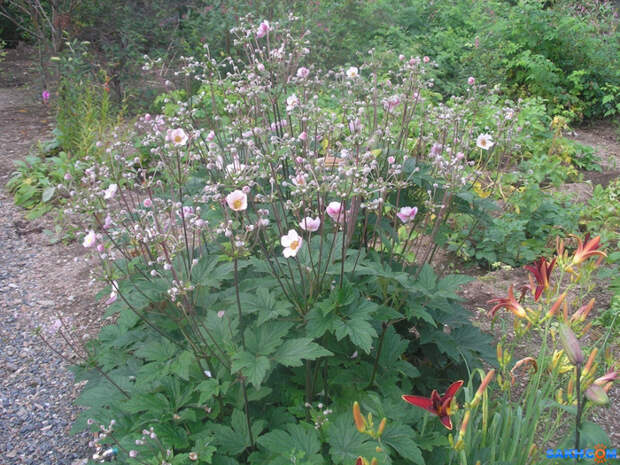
<point>38,282</point>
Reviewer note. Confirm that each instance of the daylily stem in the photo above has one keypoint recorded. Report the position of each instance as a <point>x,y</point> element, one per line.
<point>579,407</point>
<point>385,326</point>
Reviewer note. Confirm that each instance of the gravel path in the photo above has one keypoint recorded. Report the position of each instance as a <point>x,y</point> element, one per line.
<point>38,282</point>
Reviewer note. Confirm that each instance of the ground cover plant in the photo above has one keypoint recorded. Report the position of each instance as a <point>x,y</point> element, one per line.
<point>269,249</point>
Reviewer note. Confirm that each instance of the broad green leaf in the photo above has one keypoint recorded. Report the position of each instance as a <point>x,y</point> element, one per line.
<point>48,193</point>
<point>427,279</point>
<point>253,367</point>
<point>158,350</point>
<point>152,402</point>
<point>276,441</point>
<point>208,388</point>
<point>359,331</point>
<point>293,351</point>
<point>346,443</point>
<point>182,364</point>
<point>265,339</point>
<point>400,438</point>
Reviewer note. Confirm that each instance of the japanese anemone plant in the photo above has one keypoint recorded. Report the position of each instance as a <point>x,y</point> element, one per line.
<point>284,217</point>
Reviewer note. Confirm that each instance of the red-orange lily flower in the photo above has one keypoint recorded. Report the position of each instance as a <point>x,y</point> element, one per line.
<point>587,248</point>
<point>542,272</point>
<point>436,404</point>
<point>509,303</point>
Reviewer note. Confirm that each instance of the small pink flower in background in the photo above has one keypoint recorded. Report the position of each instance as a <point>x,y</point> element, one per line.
<point>178,136</point>
<point>148,203</point>
<point>110,192</point>
<point>426,59</point>
<point>291,243</point>
<point>210,136</point>
<point>68,177</point>
<point>147,117</point>
<point>485,141</point>
<point>107,223</point>
<point>303,136</point>
<point>299,180</point>
<point>310,224</point>
<point>401,57</point>
<point>303,72</point>
<point>100,248</point>
<point>90,239</point>
<point>133,453</point>
<point>355,125</point>
<point>510,113</point>
<point>263,29</point>
<point>45,95</point>
<point>391,103</point>
<point>335,210</point>
<point>260,67</point>
<point>391,160</point>
<point>471,80</point>
<point>113,295</point>
<point>407,214</point>
<point>237,200</point>
<point>352,72</point>
<point>186,212</point>
<point>292,102</point>
<point>221,314</point>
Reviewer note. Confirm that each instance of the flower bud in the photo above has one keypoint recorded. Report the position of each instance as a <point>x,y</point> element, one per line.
<point>571,345</point>
<point>360,423</point>
<point>597,395</point>
<point>381,426</point>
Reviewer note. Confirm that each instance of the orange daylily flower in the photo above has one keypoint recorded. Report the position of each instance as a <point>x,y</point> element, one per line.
<point>436,404</point>
<point>586,249</point>
<point>509,303</point>
<point>542,272</point>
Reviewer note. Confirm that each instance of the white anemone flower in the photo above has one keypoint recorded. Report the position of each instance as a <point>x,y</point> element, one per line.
<point>237,200</point>
<point>352,72</point>
<point>110,192</point>
<point>178,136</point>
<point>90,239</point>
<point>485,141</point>
<point>291,243</point>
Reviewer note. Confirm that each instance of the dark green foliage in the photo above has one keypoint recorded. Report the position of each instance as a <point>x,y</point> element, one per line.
<point>191,409</point>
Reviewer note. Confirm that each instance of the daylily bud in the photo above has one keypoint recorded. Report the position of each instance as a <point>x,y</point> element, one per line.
<point>581,314</point>
<point>373,461</point>
<point>381,426</point>
<point>597,395</point>
<point>360,423</point>
<point>571,345</point>
<point>556,306</point>
<point>483,386</point>
<point>361,461</point>
<point>587,367</point>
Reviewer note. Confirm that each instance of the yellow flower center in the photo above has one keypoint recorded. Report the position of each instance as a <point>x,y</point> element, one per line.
<point>237,203</point>
<point>178,138</point>
<point>294,245</point>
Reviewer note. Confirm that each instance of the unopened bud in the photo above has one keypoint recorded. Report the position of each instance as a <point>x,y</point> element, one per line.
<point>571,345</point>
<point>381,426</point>
<point>360,423</point>
<point>597,395</point>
